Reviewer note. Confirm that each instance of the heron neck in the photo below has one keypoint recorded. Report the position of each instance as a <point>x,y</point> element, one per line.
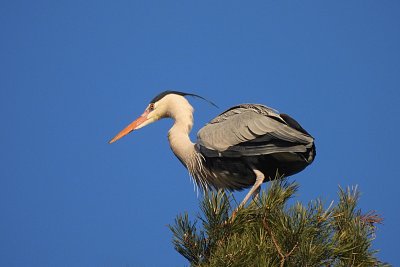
<point>179,139</point>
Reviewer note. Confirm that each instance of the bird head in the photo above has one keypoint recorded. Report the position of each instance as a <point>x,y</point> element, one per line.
<point>165,105</point>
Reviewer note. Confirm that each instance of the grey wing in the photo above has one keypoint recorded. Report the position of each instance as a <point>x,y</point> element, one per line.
<point>250,129</point>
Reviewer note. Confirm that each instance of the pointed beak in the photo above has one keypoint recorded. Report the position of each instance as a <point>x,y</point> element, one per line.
<point>133,126</point>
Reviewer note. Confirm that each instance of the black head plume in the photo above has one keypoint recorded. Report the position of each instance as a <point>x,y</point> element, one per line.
<point>161,95</point>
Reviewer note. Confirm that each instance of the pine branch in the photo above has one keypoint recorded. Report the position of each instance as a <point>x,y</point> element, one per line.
<point>269,232</point>
<point>187,241</point>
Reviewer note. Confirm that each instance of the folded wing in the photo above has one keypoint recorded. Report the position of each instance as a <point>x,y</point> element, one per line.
<point>251,129</point>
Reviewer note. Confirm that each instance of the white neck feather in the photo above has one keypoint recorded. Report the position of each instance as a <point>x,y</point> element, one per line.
<point>179,109</point>
<point>178,135</point>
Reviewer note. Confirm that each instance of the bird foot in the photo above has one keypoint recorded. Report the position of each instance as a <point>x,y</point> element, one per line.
<point>233,216</point>
<point>256,194</point>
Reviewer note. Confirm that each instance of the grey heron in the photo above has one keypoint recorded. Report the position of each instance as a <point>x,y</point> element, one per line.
<point>242,147</point>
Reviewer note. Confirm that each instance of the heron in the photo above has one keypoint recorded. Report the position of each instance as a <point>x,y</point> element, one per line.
<point>241,148</point>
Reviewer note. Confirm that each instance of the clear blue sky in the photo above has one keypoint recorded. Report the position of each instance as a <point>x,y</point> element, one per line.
<point>73,73</point>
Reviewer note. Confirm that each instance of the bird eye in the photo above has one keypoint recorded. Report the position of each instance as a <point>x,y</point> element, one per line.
<point>151,107</point>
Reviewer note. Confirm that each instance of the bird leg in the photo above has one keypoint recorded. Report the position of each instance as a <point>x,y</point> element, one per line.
<point>256,187</point>
<point>254,191</point>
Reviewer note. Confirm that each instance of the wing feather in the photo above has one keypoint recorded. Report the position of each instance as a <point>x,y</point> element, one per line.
<point>251,130</point>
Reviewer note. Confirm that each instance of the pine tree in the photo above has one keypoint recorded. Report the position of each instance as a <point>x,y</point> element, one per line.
<point>270,232</point>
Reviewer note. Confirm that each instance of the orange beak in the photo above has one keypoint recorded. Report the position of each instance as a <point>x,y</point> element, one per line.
<point>130,127</point>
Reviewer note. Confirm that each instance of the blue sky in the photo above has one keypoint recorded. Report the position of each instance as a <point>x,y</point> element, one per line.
<point>74,73</point>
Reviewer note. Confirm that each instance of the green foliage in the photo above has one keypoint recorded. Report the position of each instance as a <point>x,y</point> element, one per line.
<point>269,232</point>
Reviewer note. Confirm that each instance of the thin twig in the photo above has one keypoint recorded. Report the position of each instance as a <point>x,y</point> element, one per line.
<point>278,248</point>
<point>295,246</point>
